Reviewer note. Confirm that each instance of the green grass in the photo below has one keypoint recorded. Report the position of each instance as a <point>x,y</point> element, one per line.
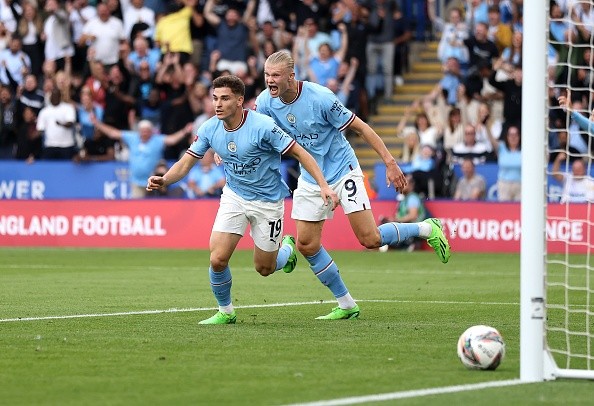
<point>413,309</point>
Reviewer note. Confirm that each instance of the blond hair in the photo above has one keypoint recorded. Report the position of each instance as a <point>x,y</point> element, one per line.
<point>282,57</point>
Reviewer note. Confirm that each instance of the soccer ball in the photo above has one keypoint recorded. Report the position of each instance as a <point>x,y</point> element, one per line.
<point>481,347</point>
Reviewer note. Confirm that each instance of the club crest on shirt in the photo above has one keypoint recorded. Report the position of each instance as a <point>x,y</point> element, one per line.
<point>232,147</point>
<point>291,118</point>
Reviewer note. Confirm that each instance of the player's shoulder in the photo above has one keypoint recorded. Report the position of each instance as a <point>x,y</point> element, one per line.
<point>259,118</point>
<point>315,89</point>
<point>263,98</point>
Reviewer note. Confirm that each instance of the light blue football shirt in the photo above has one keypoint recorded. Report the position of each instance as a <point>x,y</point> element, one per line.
<point>315,119</point>
<point>144,156</point>
<point>251,154</point>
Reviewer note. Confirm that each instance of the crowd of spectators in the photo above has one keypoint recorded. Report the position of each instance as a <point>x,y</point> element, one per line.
<point>85,80</point>
<point>91,81</point>
<point>473,115</point>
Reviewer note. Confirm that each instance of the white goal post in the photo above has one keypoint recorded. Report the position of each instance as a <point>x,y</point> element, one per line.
<point>537,356</point>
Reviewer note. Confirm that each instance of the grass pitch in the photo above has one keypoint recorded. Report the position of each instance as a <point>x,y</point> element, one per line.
<point>413,308</point>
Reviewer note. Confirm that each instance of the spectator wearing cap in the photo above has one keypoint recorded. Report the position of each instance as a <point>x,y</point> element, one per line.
<point>146,149</point>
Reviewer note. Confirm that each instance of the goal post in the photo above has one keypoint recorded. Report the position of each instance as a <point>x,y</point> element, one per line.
<point>533,205</point>
<point>556,291</point>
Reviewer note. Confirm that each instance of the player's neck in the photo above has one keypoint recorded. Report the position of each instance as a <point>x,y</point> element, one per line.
<point>291,94</point>
<point>231,123</point>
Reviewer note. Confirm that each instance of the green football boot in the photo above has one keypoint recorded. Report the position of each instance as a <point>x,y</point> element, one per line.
<point>338,314</point>
<point>438,241</point>
<point>220,318</point>
<point>292,261</point>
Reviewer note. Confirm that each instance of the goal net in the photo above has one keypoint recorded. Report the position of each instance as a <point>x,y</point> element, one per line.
<point>568,264</point>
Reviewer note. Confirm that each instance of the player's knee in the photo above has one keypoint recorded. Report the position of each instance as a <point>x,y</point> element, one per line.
<point>264,270</point>
<point>218,263</point>
<point>370,240</point>
<point>308,248</point>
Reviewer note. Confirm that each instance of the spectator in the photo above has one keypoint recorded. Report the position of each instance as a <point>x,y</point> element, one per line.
<point>175,191</point>
<point>14,63</point>
<point>453,34</point>
<point>578,187</point>
<point>56,34</point>
<point>56,121</point>
<point>499,33</point>
<point>411,209</point>
<point>325,66</point>
<point>512,55</point>
<point>477,12</point>
<point>29,141</point>
<point>454,130</point>
<point>8,122</point>
<point>172,31</point>
<point>380,50</point>
<point>427,132</point>
<point>448,85</point>
<point>139,20</point>
<point>97,148</point>
<point>512,95</point>
<point>29,29</point>
<point>402,36</point>
<point>471,186</point>
<point>234,29</point>
<point>104,33</point>
<point>578,140</point>
<point>4,37</point>
<point>142,53</point>
<point>80,12</point>
<point>118,100</point>
<point>207,179</point>
<point>558,143</point>
<point>146,149</point>
<point>509,162</point>
<point>31,96</point>
<point>412,145</point>
<point>343,86</point>
<point>480,47</point>
<point>469,147</point>
<point>86,109</point>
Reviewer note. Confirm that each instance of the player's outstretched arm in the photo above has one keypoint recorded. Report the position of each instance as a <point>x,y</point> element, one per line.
<point>174,174</point>
<point>311,166</point>
<point>394,174</point>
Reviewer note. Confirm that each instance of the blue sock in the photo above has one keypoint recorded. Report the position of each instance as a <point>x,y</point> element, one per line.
<point>220,283</point>
<point>393,233</point>
<point>325,269</point>
<point>283,256</point>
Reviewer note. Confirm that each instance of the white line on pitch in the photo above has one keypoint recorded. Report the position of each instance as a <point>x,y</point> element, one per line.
<point>381,397</point>
<point>256,306</point>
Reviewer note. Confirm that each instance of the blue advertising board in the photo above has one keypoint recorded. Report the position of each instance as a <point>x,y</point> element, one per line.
<point>68,180</point>
<point>487,170</point>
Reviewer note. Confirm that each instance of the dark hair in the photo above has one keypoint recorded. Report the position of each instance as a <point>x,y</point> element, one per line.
<point>506,139</point>
<point>232,82</point>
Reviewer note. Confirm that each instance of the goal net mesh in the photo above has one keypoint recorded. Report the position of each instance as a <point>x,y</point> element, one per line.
<point>569,280</point>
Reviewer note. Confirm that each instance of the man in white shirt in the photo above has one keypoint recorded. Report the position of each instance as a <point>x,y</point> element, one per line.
<point>56,121</point>
<point>136,13</point>
<point>104,33</point>
<point>578,187</point>
<point>14,63</point>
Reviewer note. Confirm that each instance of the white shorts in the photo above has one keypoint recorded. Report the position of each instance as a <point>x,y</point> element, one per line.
<point>265,219</point>
<point>308,204</point>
